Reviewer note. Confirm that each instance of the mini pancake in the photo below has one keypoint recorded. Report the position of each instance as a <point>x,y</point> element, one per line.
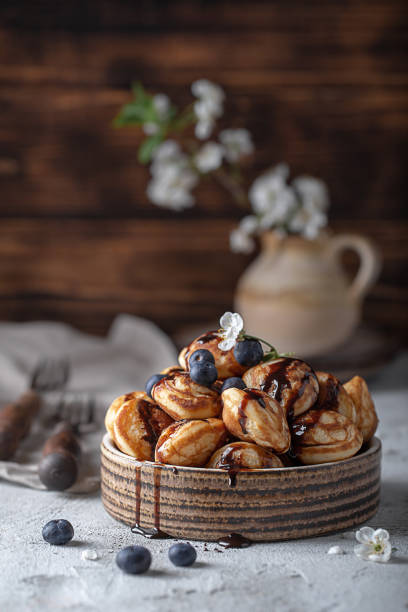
<point>182,398</point>
<point>291,382</point>
<point>252,415</point>
<point>322,436</point>
<point>190,442</point>
<point>367,419</point>
<point>243,455</point>
<point>116,405</point>
<point>332,396</point>
<point>137,427</point>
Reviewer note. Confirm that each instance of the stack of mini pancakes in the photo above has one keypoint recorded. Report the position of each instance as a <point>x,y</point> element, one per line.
<point>288,414</point>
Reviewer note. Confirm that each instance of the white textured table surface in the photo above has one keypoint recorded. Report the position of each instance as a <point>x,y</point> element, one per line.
<point>289,576</point>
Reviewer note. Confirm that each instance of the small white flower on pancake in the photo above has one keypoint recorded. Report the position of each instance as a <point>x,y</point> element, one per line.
<point>231,324</point>
<point>374,545</point>
<point>335,550</point>
<point>209,157</point>
<point>237,143</point>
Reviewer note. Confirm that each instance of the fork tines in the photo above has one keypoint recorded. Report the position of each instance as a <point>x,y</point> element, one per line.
<point>50,374</point>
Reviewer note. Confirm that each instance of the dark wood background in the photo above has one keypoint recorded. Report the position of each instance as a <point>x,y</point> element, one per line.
<point>322,85</point>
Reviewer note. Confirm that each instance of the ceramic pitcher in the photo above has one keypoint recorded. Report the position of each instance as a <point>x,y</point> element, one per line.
<point>297,295</point>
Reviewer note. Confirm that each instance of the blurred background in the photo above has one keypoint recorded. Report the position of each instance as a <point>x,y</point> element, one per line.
<point>321,85</point>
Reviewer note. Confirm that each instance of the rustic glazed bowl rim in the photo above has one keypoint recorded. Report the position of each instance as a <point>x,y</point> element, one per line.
<point>374,447</point>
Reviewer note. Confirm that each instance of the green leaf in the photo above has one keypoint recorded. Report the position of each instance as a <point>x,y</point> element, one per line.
<point>139,91</point>
<point>130,114</point>
<point>148,147</point>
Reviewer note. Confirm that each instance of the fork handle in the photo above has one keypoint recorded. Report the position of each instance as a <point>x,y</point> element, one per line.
<point>15,422</point>
<point>58,468</point>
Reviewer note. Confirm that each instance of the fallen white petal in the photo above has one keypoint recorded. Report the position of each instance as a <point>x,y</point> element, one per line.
<point>381,534</point>
<point>365,535</point>
<point>335,550</point>
<point>89,555</point>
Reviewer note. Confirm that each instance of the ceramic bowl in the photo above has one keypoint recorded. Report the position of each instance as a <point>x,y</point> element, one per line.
<point>269,504</point>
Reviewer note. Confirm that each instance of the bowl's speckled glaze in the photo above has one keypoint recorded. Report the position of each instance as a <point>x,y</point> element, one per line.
<point>269,504</point>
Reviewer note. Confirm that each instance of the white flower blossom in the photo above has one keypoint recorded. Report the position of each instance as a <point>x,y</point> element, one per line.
<point>237,143</point>
<point>308,221</point>
<point>374,545</point>
<point>161,103</point>
<point>209,157</point>
<point>272,199</point>
<point>167,153</point>
<point>312,192</point>
<point>270,194</point>
<point>150,128</point>
<point>204,89</point>
<point>231,324</point>
<point>249,224</point>
<point>208,107</point>
<point>173,178</point>
<point>171,188</point>
<point>241,242</point>
<point>335,550</point>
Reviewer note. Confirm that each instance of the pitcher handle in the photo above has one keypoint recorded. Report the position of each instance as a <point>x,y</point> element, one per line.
<point>370,261</point>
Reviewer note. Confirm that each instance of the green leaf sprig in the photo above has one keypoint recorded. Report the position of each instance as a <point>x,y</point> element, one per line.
<point>141,110</point>
<point>272,353</point>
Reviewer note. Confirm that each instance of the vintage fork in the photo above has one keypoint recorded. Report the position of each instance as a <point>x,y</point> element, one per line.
<point>16,418</point>
<point>59,466</point>
<point>50,375</point>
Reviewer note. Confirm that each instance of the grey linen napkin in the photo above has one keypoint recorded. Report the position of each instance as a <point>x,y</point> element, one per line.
<point>103,368</point>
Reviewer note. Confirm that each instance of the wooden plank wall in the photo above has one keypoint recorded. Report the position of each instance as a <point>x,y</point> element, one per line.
<point>322,85</point>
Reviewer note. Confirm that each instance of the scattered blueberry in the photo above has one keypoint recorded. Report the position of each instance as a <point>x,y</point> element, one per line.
<point>182,554</point>
<point>248,352</point>
<point>199,356</point>
<point>58,532</point>
<point>152,381</point>
<point>134,559</point>
<point>204,373</point>
<point>235,382</point>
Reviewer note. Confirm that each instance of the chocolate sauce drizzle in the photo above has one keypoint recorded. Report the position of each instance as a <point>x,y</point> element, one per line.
<point>228,463</point>
<point>152,533</point>
<point>234,540</point>
<point>211,335</point>
<point>278,380</point>
<point>250,394</point>
<point>145,412</point>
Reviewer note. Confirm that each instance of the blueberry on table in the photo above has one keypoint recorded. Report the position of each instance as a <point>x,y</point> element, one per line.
<point>235,382</point>
<point>152,381</point>
<point>199,356</point>
<point>58,532</point>
<point>248,352</point>
<point>134,559</point>
<point>182,554</point>
<point>204,373</point>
